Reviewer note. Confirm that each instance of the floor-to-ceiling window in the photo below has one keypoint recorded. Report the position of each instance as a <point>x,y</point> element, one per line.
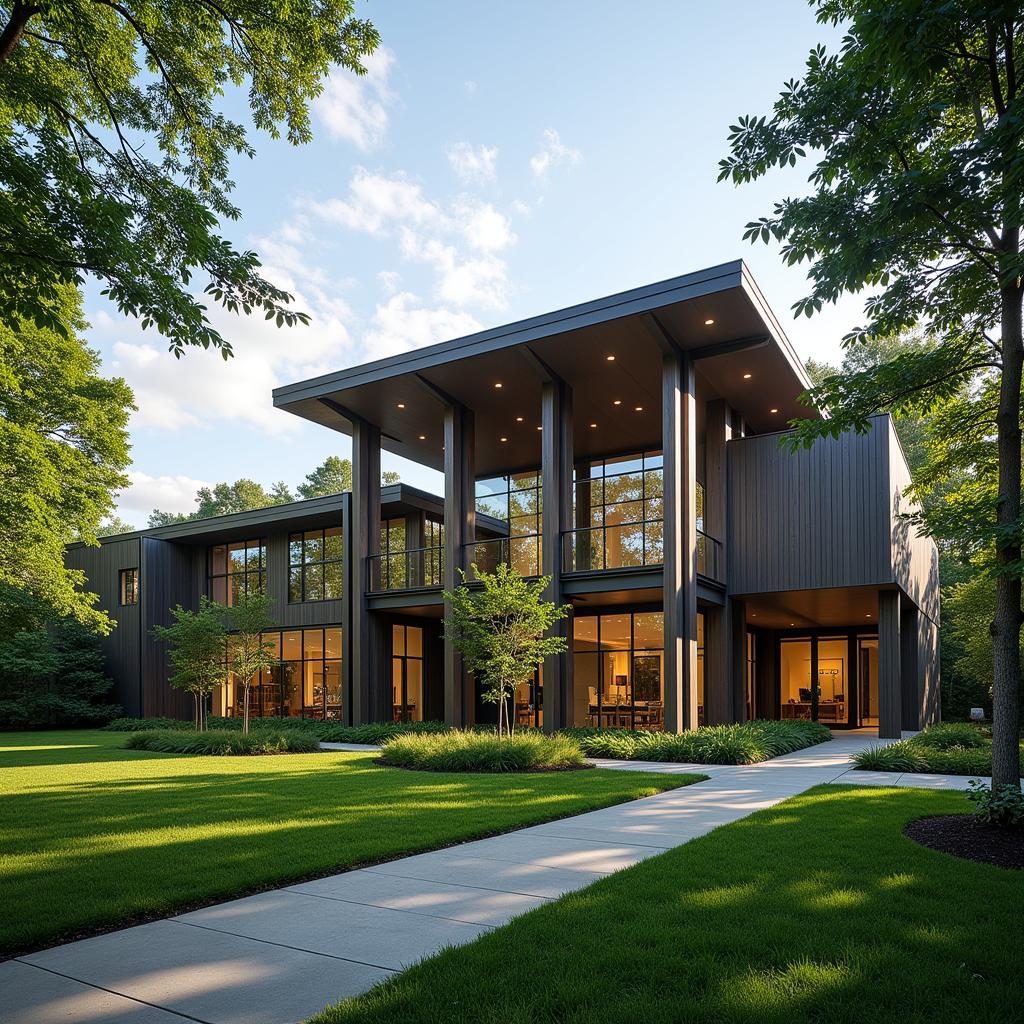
<point>305,682</point>
<point>394,566</point>
<point>407,673</point>
<point>618,680</point>
<point>867,680</point>
<point>529,700</point>
<point>315,569</point>
<point>516,500</point>
<point>814,679</point>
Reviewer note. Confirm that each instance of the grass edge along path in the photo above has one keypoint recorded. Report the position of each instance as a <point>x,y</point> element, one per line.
<point>817,909</point>
<point>95,837</point>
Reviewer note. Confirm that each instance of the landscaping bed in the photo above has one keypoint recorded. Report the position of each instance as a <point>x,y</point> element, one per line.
<point>95,836</point>
<point>468,751</point>
<point>219,742</point>
<point>948,748</point>
<point>746,743</point>
<point>817,910</point>
<point>968,837</point>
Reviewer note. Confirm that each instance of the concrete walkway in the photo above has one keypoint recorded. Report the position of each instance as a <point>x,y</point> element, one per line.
<point>283,955</point>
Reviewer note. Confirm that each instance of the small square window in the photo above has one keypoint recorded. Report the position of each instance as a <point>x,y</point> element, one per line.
<point>128,586</point>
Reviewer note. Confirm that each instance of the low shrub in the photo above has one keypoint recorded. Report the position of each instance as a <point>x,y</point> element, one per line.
<point>377,732</point>
<point>901,756</point>
<point>471,751</point>
<point>745,743</point>
<point>148,725</point>
<point>951,736</point>
<point>998,805</point>
<point>221,741</point>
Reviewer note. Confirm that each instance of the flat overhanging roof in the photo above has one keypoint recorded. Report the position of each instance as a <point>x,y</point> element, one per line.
<point>719,315</point>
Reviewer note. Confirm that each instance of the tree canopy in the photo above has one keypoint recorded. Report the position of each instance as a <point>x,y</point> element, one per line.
<point>914,130</point>
<point>116,150</point>
<point>63,452</point>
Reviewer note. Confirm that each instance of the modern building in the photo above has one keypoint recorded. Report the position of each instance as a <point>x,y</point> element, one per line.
<point>631,449</point>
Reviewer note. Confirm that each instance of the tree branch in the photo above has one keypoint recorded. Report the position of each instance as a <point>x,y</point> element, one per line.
<point>14,29</point>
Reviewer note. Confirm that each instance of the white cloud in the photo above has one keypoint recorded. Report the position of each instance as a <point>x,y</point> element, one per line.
<point>470,86</point>
<point>167,493</point>
<point>553,153</point>
<point>404,323</point>
<point>390,280</point>
<point>473,166</point>
<point>375,203</point>
<point>355,107</point>
<point>484,227</point>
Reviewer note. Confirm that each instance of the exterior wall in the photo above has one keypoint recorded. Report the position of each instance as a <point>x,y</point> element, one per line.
<point>810,519</point>
<point>122,648</point>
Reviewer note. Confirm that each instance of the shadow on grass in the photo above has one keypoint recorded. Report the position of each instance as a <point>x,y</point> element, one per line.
<point>819,910</point>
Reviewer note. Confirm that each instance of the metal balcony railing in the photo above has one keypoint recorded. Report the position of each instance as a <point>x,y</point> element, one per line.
<point>522,553</point>
<point>618,546</point>
<point>709,558</point>
<point>407,570</point>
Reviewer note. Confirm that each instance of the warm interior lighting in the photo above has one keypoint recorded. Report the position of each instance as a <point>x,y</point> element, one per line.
<point>593,426</point>
<point>639,408</point>
<point>423,437</point>
<point>519,419</point>
<point>498,384</point>
<point>773,410</point>
<point>611,359</point>
<point>503,439</point>
<point>401,405</point>
<point>618,401</point>
<point>708,322</point>
<point>747,376</point>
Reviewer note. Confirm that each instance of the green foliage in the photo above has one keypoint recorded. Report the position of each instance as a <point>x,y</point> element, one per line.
<point>334,476</point>
<point>223,499</point>
<point>916,130</point>
<point>952,735</point>
<point>998,805</point>
<point>260,741</point>
<point>375,732</point>
<point>901,756</point>
<point>949,748</point>
<point>112,526</point>
<point>249,650</point>
<point>499,629</point>
<point>470,751</point>
<point>53,675</point>
<point>144,724</point>
<point>745,743</point>
<point>63,451</point>
<point>195,643</point>
<point>116,151</point>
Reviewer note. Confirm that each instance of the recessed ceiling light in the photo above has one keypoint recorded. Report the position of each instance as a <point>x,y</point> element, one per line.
<point>868,616</point>
<point>611,359</point>
<point>540,428</point>
<point>639,408</point>
<point>618,401</point>
<point>503,439</point>
<point>401,405</point>
<point>423,437</point>
<point>519,419</point>
<point>747,376</point>
<point>593,426</point>
<point>792,623</point>
<point>708,322</point>
<point>773,411</point>
<point>498,384</point>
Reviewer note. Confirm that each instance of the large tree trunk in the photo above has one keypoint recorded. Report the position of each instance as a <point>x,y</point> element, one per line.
<point>1006,623</point>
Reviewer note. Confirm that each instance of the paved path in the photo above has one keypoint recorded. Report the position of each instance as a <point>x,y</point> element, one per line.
<point>283,955</point>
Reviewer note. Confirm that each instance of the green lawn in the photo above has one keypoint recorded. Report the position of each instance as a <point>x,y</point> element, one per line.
<point>818,910</point>
<point>93,835</point>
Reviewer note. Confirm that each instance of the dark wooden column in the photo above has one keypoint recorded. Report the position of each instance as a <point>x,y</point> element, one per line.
<point>738,658</point>
<point>910,684</point>
<point>459,530</point>
<point>719,695</point>
<point>890,709</point>
<point>583,542</point>
<point>556,495</point>
<point>414,540</point>
<point>365,542</point>
<point>679,445</point>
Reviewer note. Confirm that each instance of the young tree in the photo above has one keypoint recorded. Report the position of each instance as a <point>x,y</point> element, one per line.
<point>499,629</point>
<point>116,152</point>
<point>196,650</point>
<point>916,129</point>
<point>63,452</point>
<point>249,651</point>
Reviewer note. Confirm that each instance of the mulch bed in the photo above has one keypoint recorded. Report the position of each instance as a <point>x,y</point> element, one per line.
<point>967,837</point>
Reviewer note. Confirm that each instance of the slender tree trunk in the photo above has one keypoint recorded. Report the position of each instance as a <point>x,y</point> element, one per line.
<point>13,30</point>
<point>1006,623</point>
<point>245,710</point>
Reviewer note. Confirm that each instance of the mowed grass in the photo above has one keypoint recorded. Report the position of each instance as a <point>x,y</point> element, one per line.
<point>818,910</point>
<point>93,835</point>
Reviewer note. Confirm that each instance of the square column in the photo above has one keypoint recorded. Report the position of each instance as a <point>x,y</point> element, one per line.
<point>459,530</point>
<point>679,446</point>
<point>360,642</point>
<point>556,518</point>
<point>890,703</point>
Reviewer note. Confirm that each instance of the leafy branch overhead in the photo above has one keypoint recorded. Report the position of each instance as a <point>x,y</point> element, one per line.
<point>116,154</point>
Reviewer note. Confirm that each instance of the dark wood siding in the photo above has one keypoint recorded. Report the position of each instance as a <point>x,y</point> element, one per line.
<point>809,519</point>
<point>122,648</point>
<point>306,613</point>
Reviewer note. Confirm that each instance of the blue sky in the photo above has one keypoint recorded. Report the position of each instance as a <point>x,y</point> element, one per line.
<point>500,160</point>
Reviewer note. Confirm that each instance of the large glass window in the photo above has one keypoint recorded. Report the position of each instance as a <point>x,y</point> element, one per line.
<point>621,500</point>
<point>867,680</point>
<point>516,500</point>
<point>235,570</point>
<point>315,565</point>
<point>394,564</point>
<point>128,586</point>
<point>824,698</point>
<point>618,680</point>
<point>306,682</point>
<point>407,673</point>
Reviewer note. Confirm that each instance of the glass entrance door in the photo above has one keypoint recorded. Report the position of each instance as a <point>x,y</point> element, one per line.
<point>407,673</point>
<point>867,676</point>
<point>814,679</point>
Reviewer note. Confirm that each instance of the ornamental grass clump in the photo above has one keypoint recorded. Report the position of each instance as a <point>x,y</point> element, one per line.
<point>148,725</point>
<point>469,751</point>
<point>224,742</point>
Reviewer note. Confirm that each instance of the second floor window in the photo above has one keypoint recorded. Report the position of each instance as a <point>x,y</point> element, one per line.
<point>315,565</point>
<point>237,570</point>
<point>128,586</point>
